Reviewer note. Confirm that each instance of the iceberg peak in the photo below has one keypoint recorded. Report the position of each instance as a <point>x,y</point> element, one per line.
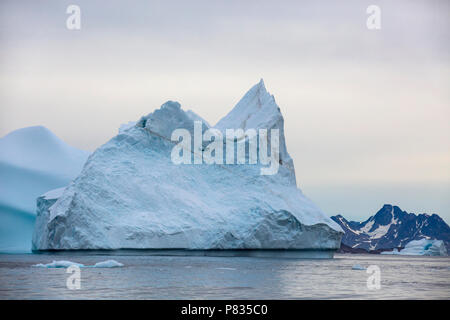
<point>171,105</point>
<point>167,118</point>
<point>260,86</point>
<point>258,110</point>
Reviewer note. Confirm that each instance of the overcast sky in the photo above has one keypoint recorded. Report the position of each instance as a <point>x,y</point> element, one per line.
<point>366,111</point>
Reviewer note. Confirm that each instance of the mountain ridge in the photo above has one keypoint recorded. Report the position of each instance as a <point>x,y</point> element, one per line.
<point>391,228</point>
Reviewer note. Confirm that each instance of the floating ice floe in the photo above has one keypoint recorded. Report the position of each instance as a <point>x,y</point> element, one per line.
<point>67,264</point>
<point>358,267</point>
<point>59,264</point>
<point>108,264</point>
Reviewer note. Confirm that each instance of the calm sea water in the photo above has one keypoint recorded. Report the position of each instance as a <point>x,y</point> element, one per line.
<point>187,277</point>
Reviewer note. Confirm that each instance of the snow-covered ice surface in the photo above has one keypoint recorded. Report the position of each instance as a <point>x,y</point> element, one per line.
<point>32,161</point>
<point>423,247</point>
<point>131,195</point>
<point>126,126</point>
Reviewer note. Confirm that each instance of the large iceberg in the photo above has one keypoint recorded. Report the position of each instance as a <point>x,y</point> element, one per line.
<point>131,195</point>
<point>32,161</point>
<point>422,247</point>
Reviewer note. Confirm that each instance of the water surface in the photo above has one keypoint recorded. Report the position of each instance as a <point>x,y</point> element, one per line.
<point>200,277</point>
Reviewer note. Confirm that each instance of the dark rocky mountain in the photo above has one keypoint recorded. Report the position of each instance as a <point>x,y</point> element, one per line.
<point>391,228</point>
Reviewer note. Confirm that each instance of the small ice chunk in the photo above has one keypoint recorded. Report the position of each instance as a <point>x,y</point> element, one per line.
<point>58,264</point>
<point>358,267</point>
<point>108,264</point>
